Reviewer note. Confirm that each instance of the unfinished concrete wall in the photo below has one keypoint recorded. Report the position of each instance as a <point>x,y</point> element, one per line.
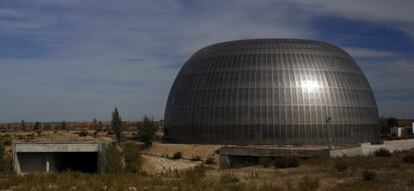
<point>368,148</point>
<point>49,157</point>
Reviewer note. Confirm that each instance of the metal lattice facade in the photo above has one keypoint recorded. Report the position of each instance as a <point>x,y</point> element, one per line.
<point>271,91</point>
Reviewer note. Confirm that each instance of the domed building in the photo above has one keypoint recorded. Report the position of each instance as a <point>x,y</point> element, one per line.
<point>271,92</point>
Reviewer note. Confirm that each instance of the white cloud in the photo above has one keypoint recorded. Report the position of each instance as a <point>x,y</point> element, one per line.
<point>397,13</point>
<point>103,53</point>
<point>87,72</point>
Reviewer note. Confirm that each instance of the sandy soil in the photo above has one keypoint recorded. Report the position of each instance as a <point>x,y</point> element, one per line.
<point>155,164</point>
<point>189,151</point>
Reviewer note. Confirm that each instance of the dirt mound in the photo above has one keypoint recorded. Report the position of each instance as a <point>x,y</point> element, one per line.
<point>154,164</point>
<point>189,151</point>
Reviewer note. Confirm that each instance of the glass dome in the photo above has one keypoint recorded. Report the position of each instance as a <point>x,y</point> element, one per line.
<point>271,91</point>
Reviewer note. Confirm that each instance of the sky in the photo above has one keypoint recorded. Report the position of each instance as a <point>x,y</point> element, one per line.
<point>76,60</point>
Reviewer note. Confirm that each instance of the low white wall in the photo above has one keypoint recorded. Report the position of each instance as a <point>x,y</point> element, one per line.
<point>367,148</point>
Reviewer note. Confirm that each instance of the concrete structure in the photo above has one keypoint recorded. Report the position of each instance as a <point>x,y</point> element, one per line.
<point>271,92</point>
<point>402,131</point>
<point>52,156</point>
<point>230,154</point>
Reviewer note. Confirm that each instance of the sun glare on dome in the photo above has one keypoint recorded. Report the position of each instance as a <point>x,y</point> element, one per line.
<point>310,86</point>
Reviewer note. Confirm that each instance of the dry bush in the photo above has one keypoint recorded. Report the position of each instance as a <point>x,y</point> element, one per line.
<point>309,184</point>
<point>195,158</point>
<point>210,160</point>
<point>83,134</point>
<point>382,152</point>
<point>341,166</point>
<point>7,142</point>
<point>368,175</point>
<point>265,161</point>
<point>409,158</point>
<point>5,161</point>
<point>286,162</point>
<point>270,187</point>
<point>194,175</point>
<point>251,174</point>
<point>228,178</point>
<point>177,155</point>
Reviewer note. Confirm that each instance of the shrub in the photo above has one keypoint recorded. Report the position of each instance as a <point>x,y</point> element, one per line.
<point>341,166</point>
<point>228,178</point>
<point>265,161</point>
<point>146,131</point>
<point>210,160</point>
<point>408,159</point>
<point>252,174</point>
<point>368,175</point>
<point>7,142</point>
<point>5,161</point>
<point>133,158</point>
<point>177,155</point>
<point>196,158</point>
<point>194,175</point>
<point>382,152</point>
<point>286,162</point>
<point>309,184</point>
<point>83,134</point>
<point>111,159</point>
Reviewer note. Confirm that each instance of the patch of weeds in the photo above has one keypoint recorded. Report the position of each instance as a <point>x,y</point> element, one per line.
<point>286,162</point>
<point>194,175</point>
<point>83,134</point>
<point>382,152</point>
<point>228,178</point>
<point>177,155</point>
<point>309,183</point>
<point>210,160</point>
<point>369,175</point>
<point>195,158</point>
<point>252,174</point>
<point>409,159</point>
<point>265,161</point>
<point>341,166</point>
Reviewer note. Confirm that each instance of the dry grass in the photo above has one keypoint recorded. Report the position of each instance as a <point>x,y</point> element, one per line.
<point>391,173</point>
<point>313,174</point>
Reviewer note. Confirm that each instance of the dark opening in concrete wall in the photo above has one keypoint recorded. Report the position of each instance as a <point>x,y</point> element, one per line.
<point>82,161</point>
<point>52,157</point>
<point>60,161</point>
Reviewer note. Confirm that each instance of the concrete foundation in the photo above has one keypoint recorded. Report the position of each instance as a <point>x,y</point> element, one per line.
<point>230,154</point>
<point>50,157</point>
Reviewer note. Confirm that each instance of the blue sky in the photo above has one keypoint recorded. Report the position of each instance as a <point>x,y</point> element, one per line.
<point>77,59</point>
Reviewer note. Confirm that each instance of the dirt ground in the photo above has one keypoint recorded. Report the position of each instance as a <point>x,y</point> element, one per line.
<point>189,151</point>
<point>155,164</point>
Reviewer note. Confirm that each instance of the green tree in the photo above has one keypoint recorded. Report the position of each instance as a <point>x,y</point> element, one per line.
<point>133,159</point>
<point>23,125</point>
<point>393,122</point>
<point>63,125</point>
<point>147,130</point>
<point>37,126</point>
<point>47,126</point>
<point>386,124</point>
<point>111,159</point>
<point>94,124</point>
<point>116,124</point>
<point>99,126</point>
